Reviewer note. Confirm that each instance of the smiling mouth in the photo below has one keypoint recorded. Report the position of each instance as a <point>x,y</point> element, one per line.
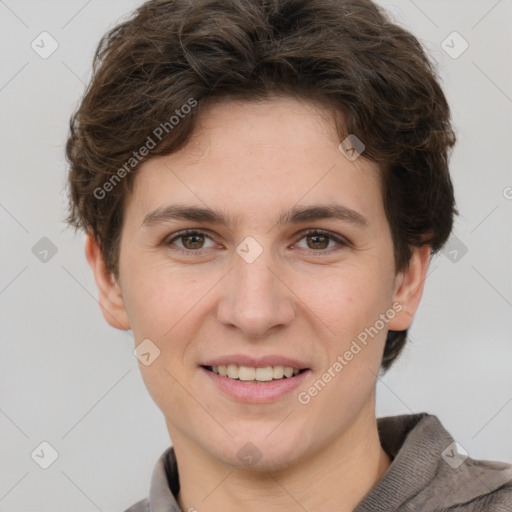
<point>255,375</point>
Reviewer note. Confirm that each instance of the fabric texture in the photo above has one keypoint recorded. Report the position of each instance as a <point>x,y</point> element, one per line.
<point>428,473</point>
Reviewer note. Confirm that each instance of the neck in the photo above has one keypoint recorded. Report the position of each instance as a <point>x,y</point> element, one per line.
<point>336,477</point>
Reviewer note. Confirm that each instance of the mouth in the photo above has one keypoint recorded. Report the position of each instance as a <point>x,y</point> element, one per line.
<point>255,375</point>
<point>253,380</point>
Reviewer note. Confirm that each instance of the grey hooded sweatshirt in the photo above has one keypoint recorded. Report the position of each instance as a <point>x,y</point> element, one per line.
<point>428,473</point>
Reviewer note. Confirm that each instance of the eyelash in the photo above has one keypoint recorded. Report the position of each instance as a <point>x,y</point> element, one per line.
<point>190,232</point>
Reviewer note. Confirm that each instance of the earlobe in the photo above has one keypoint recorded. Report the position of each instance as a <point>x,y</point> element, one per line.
<point>409,288</point>
<point>110,296</point>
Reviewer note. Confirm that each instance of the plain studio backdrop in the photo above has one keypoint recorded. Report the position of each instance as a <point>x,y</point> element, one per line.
<point>70,380</point>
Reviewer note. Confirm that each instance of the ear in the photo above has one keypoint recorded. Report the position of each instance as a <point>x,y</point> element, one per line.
<point>110,295</point>
<point>409,288</point>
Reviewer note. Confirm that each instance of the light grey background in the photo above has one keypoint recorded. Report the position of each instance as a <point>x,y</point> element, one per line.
<point>68,378</point>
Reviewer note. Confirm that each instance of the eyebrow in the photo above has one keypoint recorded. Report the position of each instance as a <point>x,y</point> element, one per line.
<point>296,215</point>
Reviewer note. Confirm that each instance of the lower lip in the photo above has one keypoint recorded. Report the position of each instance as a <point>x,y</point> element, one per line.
<point>257,393</point>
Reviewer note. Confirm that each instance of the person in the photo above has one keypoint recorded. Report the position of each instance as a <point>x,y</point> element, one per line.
<point>263,184</point>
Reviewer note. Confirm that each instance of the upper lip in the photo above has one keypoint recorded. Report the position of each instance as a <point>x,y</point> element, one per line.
<point>256,362</point>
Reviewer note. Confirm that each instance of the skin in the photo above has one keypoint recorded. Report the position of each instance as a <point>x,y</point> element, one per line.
<point>305,298</point>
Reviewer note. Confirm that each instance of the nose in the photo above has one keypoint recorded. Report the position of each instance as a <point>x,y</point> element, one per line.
<point>255,298</point>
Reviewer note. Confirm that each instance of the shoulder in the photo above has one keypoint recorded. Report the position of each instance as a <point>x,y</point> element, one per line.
<point>140,506</point>
<point>459,482</point>
<point>497,500</point>
<point>470,485</point>
<point>431,471</point>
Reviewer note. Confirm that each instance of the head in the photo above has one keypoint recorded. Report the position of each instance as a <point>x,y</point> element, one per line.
<point>231,119</point>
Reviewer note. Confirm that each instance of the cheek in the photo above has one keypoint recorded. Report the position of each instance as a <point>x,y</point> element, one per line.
<point>168,307</point>
<point>351,300</point>
<point>351,303</point>
<point>162,309</point>
<point>157,298</point>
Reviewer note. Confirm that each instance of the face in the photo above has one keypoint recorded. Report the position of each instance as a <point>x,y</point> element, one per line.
<point>260,250</point>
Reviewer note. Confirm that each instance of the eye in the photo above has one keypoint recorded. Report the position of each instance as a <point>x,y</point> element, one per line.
<point>319,240</point>
<point>192,241</point>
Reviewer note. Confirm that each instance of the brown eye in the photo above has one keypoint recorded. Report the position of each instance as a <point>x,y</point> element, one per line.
<point>193,241</point>
<point>189,241</point>
<point>318,241</point>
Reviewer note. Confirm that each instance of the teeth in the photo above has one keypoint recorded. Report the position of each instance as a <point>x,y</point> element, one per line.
<point>278,372</point>
<point>264,374</point>
<point>288,371</point>
<point>232,371</point>
<point>247,373</point>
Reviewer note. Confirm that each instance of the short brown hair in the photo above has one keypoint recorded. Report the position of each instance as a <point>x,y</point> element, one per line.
<point>346,54</point>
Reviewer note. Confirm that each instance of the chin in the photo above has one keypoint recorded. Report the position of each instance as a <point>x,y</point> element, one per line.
<point>261,452</point>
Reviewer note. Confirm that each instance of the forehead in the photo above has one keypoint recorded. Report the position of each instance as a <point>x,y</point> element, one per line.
<point>280,127</point>
<point>258,156</point>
